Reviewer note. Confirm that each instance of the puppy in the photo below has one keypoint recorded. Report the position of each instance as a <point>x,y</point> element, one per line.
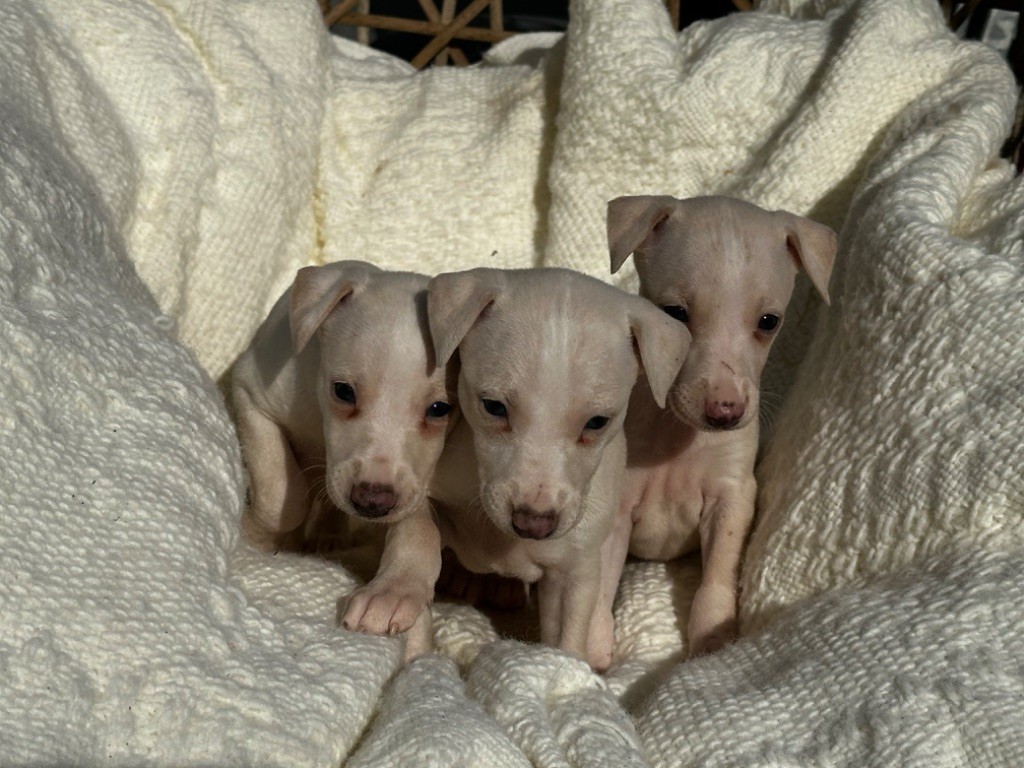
<point>725,270</point>
<point>340,387</point>
<point>529,480</point>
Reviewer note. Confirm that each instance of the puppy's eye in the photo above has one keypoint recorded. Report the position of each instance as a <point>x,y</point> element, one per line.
<point>768,323</point>
<point>596,423</point>
<point>495,408</point>
<point>438,410</point>
<point>344,392</point>
<point>679,313</point>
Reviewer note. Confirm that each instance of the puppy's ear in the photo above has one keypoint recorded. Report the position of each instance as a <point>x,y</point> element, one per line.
<point>317,291</point>
<point>813,245</point>
<point>455,301</point>
<point>633,224</point>
<point>662,343</point>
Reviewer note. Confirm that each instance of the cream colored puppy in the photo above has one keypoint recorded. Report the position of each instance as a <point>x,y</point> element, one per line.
<point>725,270</point>
<point>340,386</point>
<point>530,478</point>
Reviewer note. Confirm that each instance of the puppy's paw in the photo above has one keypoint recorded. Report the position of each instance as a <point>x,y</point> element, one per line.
<point>712,622</point>
<point>385,607</point>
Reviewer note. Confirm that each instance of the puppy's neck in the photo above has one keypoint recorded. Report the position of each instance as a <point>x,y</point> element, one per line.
<point>656,436</point>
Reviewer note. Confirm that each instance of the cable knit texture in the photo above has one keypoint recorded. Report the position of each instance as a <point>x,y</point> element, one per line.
<point>203,150</point>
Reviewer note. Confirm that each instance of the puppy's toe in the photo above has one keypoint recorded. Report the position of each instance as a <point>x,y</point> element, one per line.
<point>355,607</point>
<point>379,613</point>
<point>405,615</point>
<point>600,660</point>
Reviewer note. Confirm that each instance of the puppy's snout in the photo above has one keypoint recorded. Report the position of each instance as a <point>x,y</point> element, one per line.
<point>724,414</point>
<point>531,524</point>
<point>373,499</point>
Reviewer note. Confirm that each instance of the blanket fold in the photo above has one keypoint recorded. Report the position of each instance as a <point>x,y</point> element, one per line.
<point>166,165</point>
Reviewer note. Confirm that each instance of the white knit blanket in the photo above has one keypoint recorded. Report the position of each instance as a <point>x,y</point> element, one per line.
<point>210,148</point>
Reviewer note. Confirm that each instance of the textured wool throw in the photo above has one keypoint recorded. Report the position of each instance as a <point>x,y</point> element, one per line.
<point>166,166</point>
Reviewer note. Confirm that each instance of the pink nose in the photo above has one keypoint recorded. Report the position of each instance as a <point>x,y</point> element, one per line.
<point>373,499</point>
<point>531,524</point>
<point>723,414</point>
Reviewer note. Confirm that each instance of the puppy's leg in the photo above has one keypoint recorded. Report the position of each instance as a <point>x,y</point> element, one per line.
<point>613,558</point>
<point>419,640</point>
<point>404,584</point>
<point>549,607</point>
<point>724,524</point>
<point>566,601</point>
<point>279,492</point>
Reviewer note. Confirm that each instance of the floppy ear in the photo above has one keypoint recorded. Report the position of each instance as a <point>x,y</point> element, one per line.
<point>632,224</point>
<point>813,245</point>
<point>455,301</point>
<point>317,291</point>
<point>662,343</point>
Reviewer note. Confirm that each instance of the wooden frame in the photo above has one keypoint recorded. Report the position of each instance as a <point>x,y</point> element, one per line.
<point>443,26</point>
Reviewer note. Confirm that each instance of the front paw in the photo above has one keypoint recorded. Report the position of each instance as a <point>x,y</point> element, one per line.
<point>601,641</point>
<point>712,622</point>
<point>385,607</point>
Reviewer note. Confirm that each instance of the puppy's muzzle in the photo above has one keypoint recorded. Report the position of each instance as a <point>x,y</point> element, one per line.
<point>531,524</point>
<point>373,499</point>
<point>723,414</point>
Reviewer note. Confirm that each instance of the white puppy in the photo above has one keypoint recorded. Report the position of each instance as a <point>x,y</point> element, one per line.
<point>529,481</point>
<point>340,387</point>
<point>725,270</point>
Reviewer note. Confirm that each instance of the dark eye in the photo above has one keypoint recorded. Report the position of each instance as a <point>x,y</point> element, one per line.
<point>344,392</point>
<point>598,422</point>
<point>679,313</point>
<point>438,410</point>
<point>768,323</point>
<point>495,408</point>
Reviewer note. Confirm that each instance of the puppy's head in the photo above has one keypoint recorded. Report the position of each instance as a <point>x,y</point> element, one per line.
<point>725,269</point>
<point>386,405</point>
<point>548,360</point>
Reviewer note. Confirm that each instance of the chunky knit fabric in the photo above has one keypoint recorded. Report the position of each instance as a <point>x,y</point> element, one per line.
<point>900,439</point>
<point>125,636</point>
<point>210,148</point>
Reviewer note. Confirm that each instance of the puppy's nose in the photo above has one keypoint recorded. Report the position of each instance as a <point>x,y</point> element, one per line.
<point>373,499</point>
<point>531,524</point>
<point>723,414</point>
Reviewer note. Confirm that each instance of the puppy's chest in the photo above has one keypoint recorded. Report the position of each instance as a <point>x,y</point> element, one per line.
<point>673,489</point>
<point>482,548</point>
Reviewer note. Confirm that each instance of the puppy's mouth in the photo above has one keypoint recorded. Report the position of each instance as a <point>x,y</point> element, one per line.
<point>722,425</point>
